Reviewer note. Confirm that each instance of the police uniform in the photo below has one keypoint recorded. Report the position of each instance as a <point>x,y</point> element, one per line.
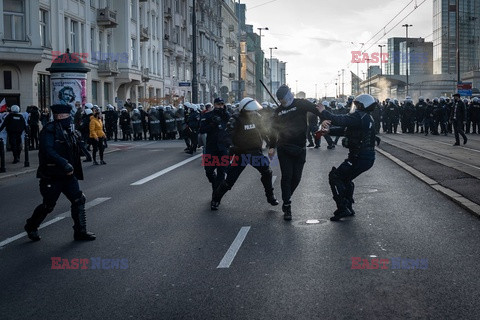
<point>247,132</point>
<point>214,124</point>
<point>15,125</point>
<point>457,118</point>
<point>59,171</point>
<point>359,131</point>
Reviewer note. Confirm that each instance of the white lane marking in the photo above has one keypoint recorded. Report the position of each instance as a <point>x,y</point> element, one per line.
<point>162,172</point>
<point>61,216</point>
<point>273,179</point>
<point>232,251</point>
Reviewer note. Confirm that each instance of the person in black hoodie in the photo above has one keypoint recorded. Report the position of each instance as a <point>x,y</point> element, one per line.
<point>288,138</point>
<point>247,131</point>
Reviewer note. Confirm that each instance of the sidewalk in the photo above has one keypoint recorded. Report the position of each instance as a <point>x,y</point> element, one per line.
<point>452,170</point>
<point>13,170</point>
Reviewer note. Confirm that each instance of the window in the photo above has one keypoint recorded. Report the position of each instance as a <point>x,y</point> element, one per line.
<point>106,92</point>
<point>44,28</point>
<point>7,80</point>
<point>94,92</point>
<point>133,12</point>
<point>134,52</point>
<point>73,36</point>
<point>92,41</point>
<point>14,19</point>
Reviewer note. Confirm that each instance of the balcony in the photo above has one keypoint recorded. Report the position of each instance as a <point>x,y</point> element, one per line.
<point>144,34</point>
<point>106,18</point>
<point>168,46</point>
<point>145,74</point>
<point>168,13</point>
<point>107,68</point>
<point>179,51</point>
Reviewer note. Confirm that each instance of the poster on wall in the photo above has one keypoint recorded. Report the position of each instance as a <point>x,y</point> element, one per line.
<point>69,89</point>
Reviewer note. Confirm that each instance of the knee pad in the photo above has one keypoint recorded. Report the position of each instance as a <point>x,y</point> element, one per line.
<point>80,200</point>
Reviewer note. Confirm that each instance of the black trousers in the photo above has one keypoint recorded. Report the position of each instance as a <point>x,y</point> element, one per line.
<point>215,173</point>
<point>458,130</point>
<point>256,159</point>
<point>15,140</point>
<point>34,133</point>
<point>98,146</point>
<point>291,167</point>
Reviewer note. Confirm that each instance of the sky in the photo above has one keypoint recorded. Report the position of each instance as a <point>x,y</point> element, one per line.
<point>316,37</point>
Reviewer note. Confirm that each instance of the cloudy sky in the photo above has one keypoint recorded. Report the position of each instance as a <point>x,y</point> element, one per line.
<point>316,37</point>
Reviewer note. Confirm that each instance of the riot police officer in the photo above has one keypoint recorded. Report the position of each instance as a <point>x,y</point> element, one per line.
<point>247,131</point>
<point>59,171</point>
<point>358,127</point>
<point>288,136</point>
<point>420,109</point>
<point>214,124</point>
<point>15,124</point>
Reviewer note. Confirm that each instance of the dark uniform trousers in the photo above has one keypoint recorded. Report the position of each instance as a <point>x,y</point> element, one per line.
<point>291,166</point>
<point>15,140</point>
<point>215,174</point>
<point>257,160</point>
<point>50,189</point>
<point>458,130</point>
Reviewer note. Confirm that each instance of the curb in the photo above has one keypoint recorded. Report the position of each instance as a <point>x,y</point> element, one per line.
<point>468,205</point>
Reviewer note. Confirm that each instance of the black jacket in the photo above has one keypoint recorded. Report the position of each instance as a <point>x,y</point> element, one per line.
<point>458,112</point>
<point>214,124</point>
<point>59,151</point>
<point>14,123</point>
<point>290,124</point>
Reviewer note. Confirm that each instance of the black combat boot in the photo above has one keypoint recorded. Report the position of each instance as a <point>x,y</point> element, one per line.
<point>267,185</point>
<point>39,214</point>
<point>342,209</point>
<point>218,195</point>
<point>287,211</point>
<point>80,223</point>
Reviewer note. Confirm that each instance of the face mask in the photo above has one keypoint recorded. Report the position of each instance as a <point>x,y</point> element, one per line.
<point>66,123</point>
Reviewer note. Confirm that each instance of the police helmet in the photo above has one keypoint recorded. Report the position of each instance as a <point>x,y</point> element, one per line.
<point>421,98</point>
<point>88,105</point>
<point>475,99</point>
<point>351,98</point>
<point>15,109</point>
<point>364,102</point>
<point>340,105</point>
<point>249,104</point>
<point>140,106</point>
<point>435,99</point>
<point>88,111</point>
<point>136,111</point>
<point>325,103</point>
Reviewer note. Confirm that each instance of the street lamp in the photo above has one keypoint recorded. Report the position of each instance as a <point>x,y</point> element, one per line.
<point>271,69</point>
<point>381,57</point>
<point>406,49</point>
<point>260,30</point>
<point>368,74</point>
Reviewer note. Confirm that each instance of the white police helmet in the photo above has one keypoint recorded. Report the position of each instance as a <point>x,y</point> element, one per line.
<point>88,105</point>
<point>325,103</point>
<point>88,111</point>
<point>363,102</point>
<point>249,104</point>
<point>421,98</point>
<point>15,108</point>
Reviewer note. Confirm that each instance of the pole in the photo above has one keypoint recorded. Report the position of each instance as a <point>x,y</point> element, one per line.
<point>368,75</point>
<point>457,37</point>
<point>239,93</point>
<point>406,51</point>
<point>27,143</point>
<point>269,93</point>
<point>194,55</point>
<point>2,156</point>
<point>381,58</point>
<point>343,82</point>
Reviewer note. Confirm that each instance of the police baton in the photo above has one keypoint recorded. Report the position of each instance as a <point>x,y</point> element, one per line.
<point>271,96</point>
<point>27,143</point>
<point>2,156</point>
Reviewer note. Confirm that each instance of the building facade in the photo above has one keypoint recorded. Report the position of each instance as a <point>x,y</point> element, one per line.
<point>444,36</point>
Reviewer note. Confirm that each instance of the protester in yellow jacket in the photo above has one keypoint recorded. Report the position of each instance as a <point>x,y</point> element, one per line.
<point>97,135</point>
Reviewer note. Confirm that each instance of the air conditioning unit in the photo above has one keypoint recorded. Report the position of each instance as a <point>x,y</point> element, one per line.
<point>231,58</point>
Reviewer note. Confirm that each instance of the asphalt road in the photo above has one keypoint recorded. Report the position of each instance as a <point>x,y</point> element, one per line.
<point>172,245</point>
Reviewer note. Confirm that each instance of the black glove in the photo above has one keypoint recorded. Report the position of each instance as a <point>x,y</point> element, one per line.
<point>68,168</point>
